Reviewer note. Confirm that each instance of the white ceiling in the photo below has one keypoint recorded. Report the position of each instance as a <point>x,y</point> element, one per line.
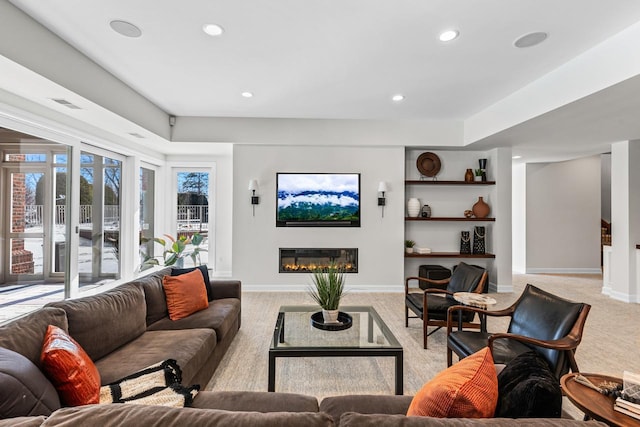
<point>337,60</point>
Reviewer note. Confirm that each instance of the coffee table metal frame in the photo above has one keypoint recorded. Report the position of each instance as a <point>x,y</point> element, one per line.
<point>392,349</point>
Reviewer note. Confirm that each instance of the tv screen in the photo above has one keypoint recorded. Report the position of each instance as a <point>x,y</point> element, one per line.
<point>318,200</point>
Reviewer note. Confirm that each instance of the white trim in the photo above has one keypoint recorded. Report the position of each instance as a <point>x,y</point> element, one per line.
<point>563,271</point>
<point>220,274</point>
<point>304,288</point>
<point>494,288</point>
<point>620,296</point>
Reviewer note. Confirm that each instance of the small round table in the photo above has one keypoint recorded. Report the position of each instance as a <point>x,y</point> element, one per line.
<point>595,405</point>
<point>475,300</point>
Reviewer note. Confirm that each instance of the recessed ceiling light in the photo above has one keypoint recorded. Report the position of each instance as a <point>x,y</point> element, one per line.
<point>212,29</point>
<point>125,28</point>
<point>397,98</point>
<point>247,94</point>
<point>447,36</point>
<point>531,39</point>
<point>516,157</point>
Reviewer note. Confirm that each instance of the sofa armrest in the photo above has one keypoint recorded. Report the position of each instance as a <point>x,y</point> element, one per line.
<point>365,404</point>
<point>226,288</point>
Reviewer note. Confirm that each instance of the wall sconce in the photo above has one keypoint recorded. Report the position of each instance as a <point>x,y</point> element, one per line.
<point>253,186</point>
<point>382,188</point>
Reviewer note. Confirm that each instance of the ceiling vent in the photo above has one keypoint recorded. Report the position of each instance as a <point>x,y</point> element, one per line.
<point>136,135</point>
<point>66,103</point>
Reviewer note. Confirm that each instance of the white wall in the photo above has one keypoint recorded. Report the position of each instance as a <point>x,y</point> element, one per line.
<point>563,217</point>
<point>625,230</point>
<point>605,186</point>
<point>379,240</point>
<point>519,218</point>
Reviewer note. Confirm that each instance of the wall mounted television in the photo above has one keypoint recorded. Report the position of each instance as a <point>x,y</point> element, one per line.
<point>318,199</point>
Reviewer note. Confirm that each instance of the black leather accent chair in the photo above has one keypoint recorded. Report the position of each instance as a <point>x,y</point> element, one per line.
<point>431,300</point>
<point>539,320</point>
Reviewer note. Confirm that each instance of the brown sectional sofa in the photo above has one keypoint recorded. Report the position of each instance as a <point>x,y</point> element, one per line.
<point>126,329</point>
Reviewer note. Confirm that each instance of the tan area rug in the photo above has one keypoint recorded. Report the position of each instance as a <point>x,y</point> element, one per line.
<point>611,342</point>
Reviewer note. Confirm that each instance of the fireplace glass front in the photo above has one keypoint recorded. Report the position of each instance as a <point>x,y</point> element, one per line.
<point>306,260</point>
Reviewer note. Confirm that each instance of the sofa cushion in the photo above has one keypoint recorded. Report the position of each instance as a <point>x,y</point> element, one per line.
<point>190,348</point>
<point>219,316</point>
<point>365,404</point>
<point>468,389</point>
<point>352,419</point>
<point>154,295</point>
<point>69,368</point>
<point>528,389</point>
<point>24,390</point>
<point>102,323</point>
<point>23,422</point>
<point>186,294</point>
<point>205,274</point>
<point>161,416</point>
<point>255,401</point>
<point>25,335</point>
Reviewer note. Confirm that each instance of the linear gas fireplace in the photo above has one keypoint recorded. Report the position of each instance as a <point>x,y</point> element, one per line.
<point>306,260</point>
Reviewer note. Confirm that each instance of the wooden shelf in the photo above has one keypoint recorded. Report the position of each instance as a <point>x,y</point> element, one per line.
<point>448,255</point>
<point>411,182</point>
<point>445,218</point>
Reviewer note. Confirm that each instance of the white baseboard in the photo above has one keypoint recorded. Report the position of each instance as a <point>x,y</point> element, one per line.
<point>564,271</point>
<point>494,288</point>
<point>624,297</point>
<point>303,288</point>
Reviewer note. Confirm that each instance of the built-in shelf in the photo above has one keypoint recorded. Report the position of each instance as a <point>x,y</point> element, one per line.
<point>445,218</point>
<point>448,255</point>
<point>411,182</point>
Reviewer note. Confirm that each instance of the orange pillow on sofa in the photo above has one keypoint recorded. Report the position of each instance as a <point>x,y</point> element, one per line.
<point>468,389</point>
<point>185,294</point>
<point>69,368</point>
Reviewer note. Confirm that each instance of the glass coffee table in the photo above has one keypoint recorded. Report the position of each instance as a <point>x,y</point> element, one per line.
<point>368,336</point>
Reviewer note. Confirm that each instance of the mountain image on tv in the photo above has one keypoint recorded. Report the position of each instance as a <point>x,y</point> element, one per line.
<point>318,197</point>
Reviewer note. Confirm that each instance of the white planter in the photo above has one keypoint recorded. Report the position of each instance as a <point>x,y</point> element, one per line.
<point>408,250</point>
<point>330,316</point>
<point>413,207</point>
<point>478,177</point>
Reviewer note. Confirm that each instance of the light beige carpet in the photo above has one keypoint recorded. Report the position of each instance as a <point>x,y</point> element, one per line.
<point>611,342</point>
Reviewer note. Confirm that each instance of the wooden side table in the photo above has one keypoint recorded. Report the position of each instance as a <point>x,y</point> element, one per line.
<point>475,300</point>
<point>595,405</point>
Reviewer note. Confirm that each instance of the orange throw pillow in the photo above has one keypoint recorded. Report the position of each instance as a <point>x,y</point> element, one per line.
<point>185,294</point>
<point>468,389</point>
<point>69,368</point>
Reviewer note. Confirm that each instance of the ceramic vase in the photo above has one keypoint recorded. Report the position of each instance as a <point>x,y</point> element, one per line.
<point>330,316</point>
<point>413,207</point>
<point>468,176</point>
<point>481,209</point>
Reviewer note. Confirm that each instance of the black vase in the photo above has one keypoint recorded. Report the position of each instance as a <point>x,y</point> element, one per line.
<point>479,240</point>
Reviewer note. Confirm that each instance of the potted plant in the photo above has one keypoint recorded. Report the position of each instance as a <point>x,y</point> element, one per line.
<point>175,250</point>
<point>327,289</point>
<point>408,246</point>
<point>478,173</point>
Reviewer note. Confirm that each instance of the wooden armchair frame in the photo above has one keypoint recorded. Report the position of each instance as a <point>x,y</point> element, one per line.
<point>439,288</point>
<point>566,344</point>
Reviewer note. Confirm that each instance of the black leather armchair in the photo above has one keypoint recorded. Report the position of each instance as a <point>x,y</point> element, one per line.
<point>539,320</point>
<point>433,298</point>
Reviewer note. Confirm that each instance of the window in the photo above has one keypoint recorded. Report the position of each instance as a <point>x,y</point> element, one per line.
<point>192,214</point>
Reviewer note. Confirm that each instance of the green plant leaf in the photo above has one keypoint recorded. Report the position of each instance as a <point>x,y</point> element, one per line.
<point>196,239</point>
<point>159,240</point>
